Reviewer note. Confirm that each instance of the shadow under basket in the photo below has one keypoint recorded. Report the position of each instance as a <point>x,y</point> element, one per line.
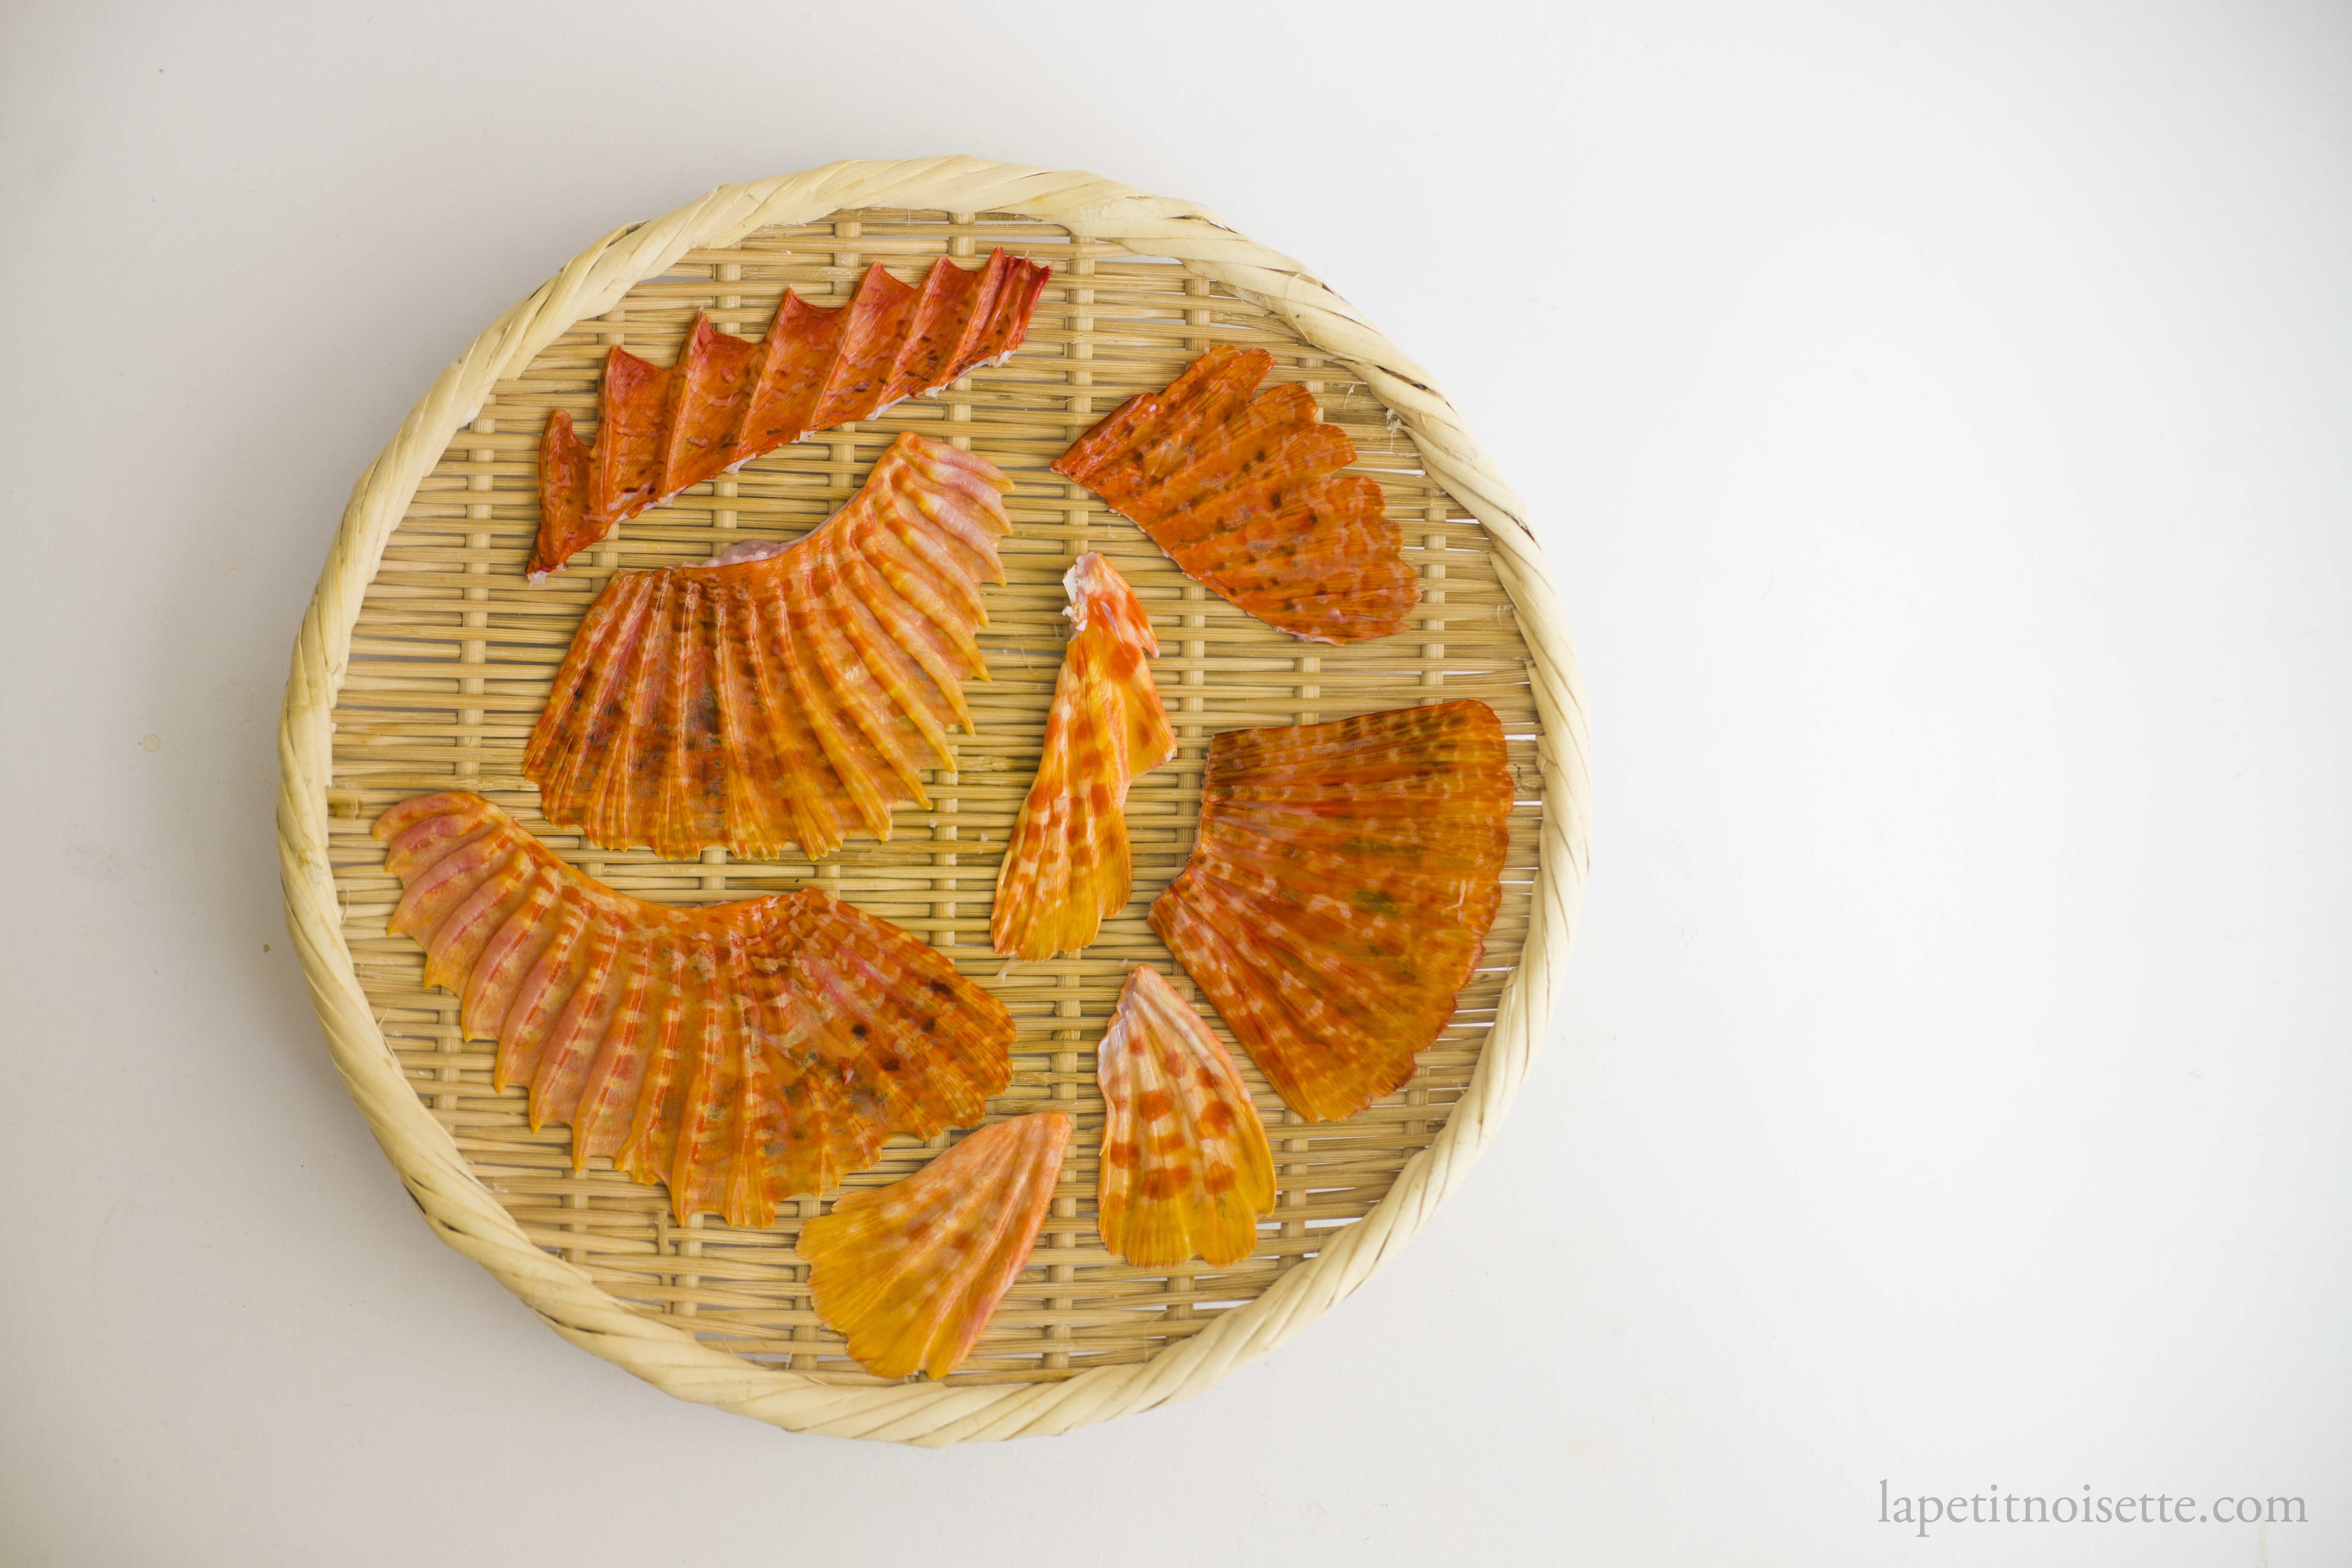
<point>425,658</point>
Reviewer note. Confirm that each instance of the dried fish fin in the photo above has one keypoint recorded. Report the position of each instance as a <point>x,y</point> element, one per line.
<point>727,400</point>
<point>632,409</point>
<point>564,529</point>
<point>1068,866</point>
<point>1143,441</point>
<point>803,341</point>
<point>740,1053</point>
<point>936,327</point>
<point>910,1272</point>
<point>1340,890</point>
<point>709,393</point>
<point>1246,496</point>
<point>870,341</point>
<point>1185,1165</point>
<point>784,696</point>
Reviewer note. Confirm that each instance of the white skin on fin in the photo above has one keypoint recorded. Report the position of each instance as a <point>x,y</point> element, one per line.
<point>1081,582</point>
<point>750,549</point>
<point>611,531</point>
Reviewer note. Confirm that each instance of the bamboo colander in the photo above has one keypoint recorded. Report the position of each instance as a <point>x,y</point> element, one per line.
<point>425,658</point>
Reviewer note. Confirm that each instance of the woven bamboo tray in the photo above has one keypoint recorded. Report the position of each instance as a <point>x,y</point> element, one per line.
<point>423,659</point>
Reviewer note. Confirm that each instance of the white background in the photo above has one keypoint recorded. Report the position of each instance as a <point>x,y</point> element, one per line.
<point>1938,414</point>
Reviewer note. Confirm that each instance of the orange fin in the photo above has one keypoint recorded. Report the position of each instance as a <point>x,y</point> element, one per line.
<point>1245,494</point>
<point>803,341</point>
<point>1340,890</point>
<point>910,1272</point>
<point>1185,1168</point>
<point>790,694</point>
<point>624,468</point>
<point>742,1053</point>
<point>1067,867</point>
<point>563,527</point>
<point>727,400</point>
<point>709,392</point>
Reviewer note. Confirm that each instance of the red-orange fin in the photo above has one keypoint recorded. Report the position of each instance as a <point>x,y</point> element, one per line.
<point>1245,494</point>
<point>1185,1168</point>
<point>1145,438</point>
<point>781,694</point>
<point>742,1053</point>
<point>710,393</point>
<point>801,343</point>
<point>911,1272</point>
<point>1067,865</point>
<point>563,527</point>
<point>869,348</point>
<point>1340,890</point>
<point>935,328</point>
<point>727,400</point>
<point>625,471</point>
<point>1006,321</point>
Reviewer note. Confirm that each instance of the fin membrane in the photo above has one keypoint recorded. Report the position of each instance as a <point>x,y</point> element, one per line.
<point>727,400</point>
<point>744,1052</point>
<point>1245,494</point>
<point>910,1272</point>
<point>1185,1167</point>
<point>1068,866</point>
<point>781,694</point>
<point>1340,890</point>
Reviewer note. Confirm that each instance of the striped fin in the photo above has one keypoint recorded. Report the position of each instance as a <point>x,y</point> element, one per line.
<point>1068,866</point>
<point>1185,1167</point>
<point>1245,494</point>
<point>727,400</point>
<point>1341,890</point>
<point>790,695</point>
<point>910,1272</point>
<point>741,1053</point>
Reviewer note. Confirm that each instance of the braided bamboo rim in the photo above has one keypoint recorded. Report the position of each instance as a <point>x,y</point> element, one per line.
<point>463,1212</point>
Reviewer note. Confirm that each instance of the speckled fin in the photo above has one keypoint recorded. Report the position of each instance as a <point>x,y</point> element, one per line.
<point>742,1053</point>
<point>1067,867</point>
<point>1245,494</point>
<point>910,1272</point>
<point>727,400</point>
<point>1341,890</point>
<point>785,697</point>
<point>1185,1167</point>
